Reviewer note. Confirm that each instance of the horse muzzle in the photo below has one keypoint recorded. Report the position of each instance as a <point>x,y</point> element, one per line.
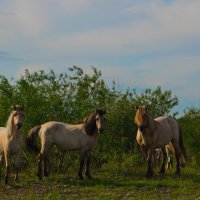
<point>18,125</point>
<point>142,128</point>
<point>100,130</point>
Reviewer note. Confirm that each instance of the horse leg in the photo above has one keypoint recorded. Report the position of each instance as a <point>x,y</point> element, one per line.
<point>87,173</point>
<point>61,160</point>
<point>178,169</point>
<point>162,170</point>
<point>149,172</point>
<point>1,161</point>
<point>82,160</point>
<point>171,162</point>
<point>17,163</point>
<point>46,171</point>
<point>7,161</point>
<point>40,159</point>
<point>177,156</point>
<point>144,152</point>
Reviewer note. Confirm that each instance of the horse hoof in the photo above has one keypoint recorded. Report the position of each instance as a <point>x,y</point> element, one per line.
<point>149,175</point>
<point>6,180</point>
<point>39,177</point>
<point>46,174</point>
<point>17,180</point>
<point>80,177</point>
<point>162,172</point>
<point>177,173</point>
<point>89,176</point>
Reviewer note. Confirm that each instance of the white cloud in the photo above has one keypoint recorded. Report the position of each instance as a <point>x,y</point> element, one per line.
<point>166,27</point>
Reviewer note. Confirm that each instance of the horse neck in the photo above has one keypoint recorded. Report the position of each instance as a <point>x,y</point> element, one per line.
<point>90,125</point>
<point>151,123</point>
<point>11,128</point>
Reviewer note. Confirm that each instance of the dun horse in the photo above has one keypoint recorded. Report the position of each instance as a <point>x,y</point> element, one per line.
<point>158,157</point>
<point>11,140</point>
<point>169,148</point>
<point>68,137</point>
<point>157,133</point>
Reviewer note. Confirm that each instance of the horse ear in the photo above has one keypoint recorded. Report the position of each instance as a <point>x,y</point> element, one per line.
<point>146,107</point>
<point>97,110</point>
<point>14,107</point>
<point>136,107</point>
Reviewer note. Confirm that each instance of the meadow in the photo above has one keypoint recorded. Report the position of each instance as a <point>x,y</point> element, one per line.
<point>109,182</point>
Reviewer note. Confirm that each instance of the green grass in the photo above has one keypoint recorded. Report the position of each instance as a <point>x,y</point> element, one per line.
<point>108,183</point>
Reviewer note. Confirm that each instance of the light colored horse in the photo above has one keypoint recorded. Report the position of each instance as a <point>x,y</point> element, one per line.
<point>169,148</point>
<point>157,133</point>
<point>68,137</point>
<point>170,152</point>
<point>11,140</point>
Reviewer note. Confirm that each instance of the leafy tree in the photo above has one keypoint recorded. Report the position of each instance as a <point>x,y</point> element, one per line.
<point>190,125</point>
<point>160,102</point>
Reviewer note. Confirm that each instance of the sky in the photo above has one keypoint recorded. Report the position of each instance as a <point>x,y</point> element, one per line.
<point>138,43</point>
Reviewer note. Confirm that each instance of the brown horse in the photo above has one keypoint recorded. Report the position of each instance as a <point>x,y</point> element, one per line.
<point>11,140</point>
<point>68,137</point>
<point>157,133</point>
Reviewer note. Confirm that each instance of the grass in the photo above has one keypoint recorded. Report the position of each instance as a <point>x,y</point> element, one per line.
<point>108,183</point>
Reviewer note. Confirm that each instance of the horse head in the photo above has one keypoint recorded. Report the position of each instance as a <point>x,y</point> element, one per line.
<point>18,116</point>
<point>99,118</point>
<point>142,117</point>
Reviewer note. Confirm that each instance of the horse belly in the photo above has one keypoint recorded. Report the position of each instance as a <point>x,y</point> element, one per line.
<point>164,137</point>
<point>68,143</point>
<point>167,130</point>
<point>15,145</point>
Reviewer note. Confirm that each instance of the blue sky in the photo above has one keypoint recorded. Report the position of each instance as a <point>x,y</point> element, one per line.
<point>139,44</point>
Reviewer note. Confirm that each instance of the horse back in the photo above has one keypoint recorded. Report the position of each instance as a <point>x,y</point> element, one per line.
<point>66,136</point>
<point>167,129</point>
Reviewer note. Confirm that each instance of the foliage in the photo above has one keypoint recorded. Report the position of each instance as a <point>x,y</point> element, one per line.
<point>190,124</point>
<point>160,102</point>
<point>71,96</point>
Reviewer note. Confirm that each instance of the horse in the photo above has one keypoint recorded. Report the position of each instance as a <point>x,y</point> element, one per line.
<point>80,136</point>
<point>169,148</point>
<point>11,141</point>
<point>170,152</point>
<point>157,133</point>
<point>157,158</point>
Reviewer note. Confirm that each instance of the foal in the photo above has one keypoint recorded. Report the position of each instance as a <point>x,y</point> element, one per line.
<point>11,140</point>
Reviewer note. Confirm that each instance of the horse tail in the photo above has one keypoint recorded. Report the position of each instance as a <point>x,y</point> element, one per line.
<point>183,156</point>
<point>31,139</point>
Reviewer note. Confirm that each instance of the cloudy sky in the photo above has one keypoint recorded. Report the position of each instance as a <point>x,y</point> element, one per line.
<point>138,43</point>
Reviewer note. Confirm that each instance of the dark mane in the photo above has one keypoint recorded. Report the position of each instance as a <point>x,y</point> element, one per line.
<point>90,122</point>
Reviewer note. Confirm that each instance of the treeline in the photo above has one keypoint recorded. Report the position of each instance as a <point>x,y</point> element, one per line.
<point>69,97</point>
